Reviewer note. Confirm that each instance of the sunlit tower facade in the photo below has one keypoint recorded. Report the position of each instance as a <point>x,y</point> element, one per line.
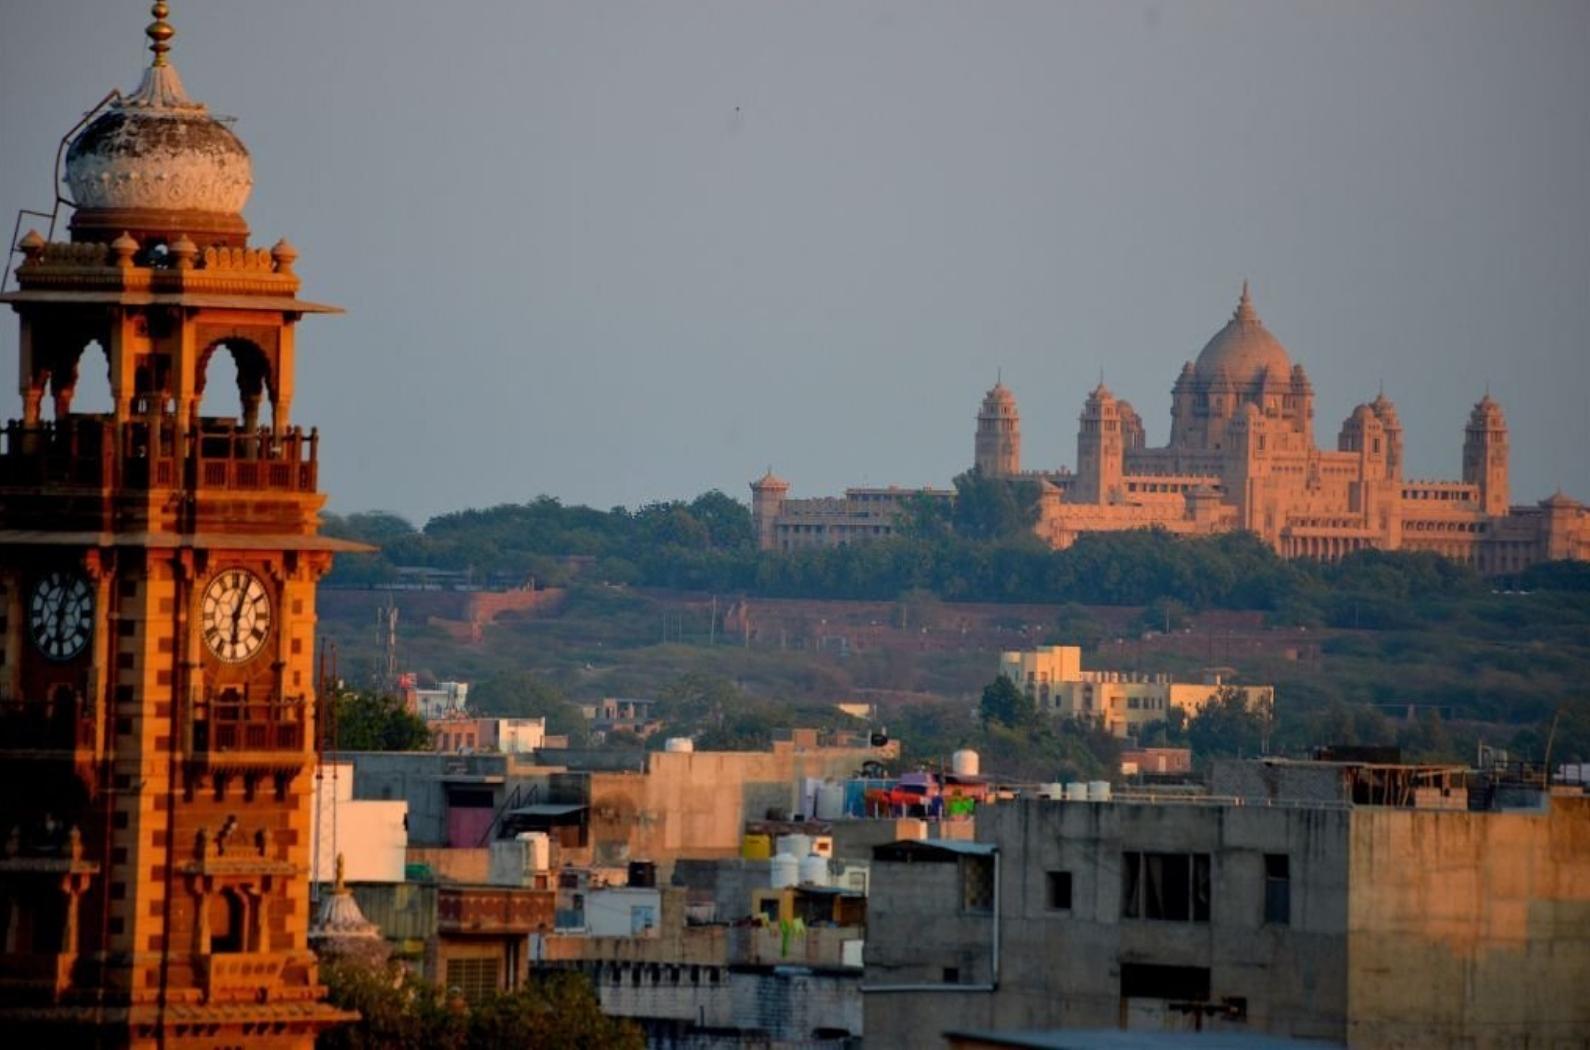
<point>158,566</point>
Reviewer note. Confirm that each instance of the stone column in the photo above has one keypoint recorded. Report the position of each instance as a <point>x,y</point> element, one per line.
<point>202,888</point>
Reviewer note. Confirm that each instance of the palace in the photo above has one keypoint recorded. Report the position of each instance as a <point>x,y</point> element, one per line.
<point>1241,456</point>
<point>158,565</point>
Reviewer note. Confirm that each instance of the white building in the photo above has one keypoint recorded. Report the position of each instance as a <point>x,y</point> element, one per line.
<point>445,698</point>
<point>372,835</point>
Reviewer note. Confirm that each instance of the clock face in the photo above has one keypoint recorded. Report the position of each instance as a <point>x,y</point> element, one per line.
<point>61,614</point>
<point>235,615</point>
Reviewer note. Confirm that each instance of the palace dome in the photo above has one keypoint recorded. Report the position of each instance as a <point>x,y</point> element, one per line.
<point>1244,349</point>
<point>156,150</point>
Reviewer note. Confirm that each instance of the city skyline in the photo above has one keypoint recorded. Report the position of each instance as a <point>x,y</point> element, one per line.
<point>621,254</point>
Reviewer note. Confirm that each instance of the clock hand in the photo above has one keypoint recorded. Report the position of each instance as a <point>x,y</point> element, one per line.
<point>237,617</point>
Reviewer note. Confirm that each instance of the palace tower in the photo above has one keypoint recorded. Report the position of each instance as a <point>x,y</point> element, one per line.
<point>157,592</point>
<point>998,442</point>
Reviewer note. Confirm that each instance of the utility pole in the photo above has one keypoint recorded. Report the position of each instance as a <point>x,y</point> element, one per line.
<point>386,620</point>
<point>712,628</point>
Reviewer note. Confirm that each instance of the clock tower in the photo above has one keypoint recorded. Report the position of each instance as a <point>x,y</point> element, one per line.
<point>158,565</point>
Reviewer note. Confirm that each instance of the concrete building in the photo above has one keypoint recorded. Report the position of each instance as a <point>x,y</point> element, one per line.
<point>660,806</point>
<point>464,734</point>
<point>622,714</point>
<point>721,985</point>
<point>1376,926</point>
<point>1153,761</point>
<point>1241,455</point>
<point>1122,701</point>
<point>474,938</point>
<point>370,835</point>
<point>446,698</point>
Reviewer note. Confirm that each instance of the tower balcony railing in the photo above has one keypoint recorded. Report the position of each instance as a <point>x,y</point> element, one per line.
<point>45,977</point>
<point>236,726</point>
<point>60,724</point>
<point>145,453</point>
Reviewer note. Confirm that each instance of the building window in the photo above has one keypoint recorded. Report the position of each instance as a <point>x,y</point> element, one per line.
<point>1278,889</point>
<point>1153,981</point>
<point>1170,886</point>
<point>952,975</point>
<point>1059,886</point>
<point>475,979</point>
<point>977,884</point>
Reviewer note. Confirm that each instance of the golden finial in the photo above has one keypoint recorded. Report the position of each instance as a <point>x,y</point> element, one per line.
<point>159,32</point>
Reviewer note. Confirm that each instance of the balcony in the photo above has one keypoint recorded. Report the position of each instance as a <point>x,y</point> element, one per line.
<point>494,910</point>
<point>240,730</point>
<point>242,976</point>
<point>35,977</point>
<point>47,728</point>
<point>96,452</point>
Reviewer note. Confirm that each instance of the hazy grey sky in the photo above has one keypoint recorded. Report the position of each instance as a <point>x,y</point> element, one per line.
<point>618,252</point>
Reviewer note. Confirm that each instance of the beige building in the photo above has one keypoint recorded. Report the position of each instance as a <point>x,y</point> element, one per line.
<point>1123,701</point>
<point>859,516</point>
<point>1241,455</point>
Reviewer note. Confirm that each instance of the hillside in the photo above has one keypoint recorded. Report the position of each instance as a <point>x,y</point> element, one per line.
<point>1496,667</point>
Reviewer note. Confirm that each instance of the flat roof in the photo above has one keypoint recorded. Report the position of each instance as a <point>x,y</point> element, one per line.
<point>547,809</point>
<point>948,847</point>
<point>182,540</point>
<point>1115,1039</point>
<point>219,301</point>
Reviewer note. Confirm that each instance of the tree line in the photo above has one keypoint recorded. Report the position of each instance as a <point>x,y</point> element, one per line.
<point>980,550</point>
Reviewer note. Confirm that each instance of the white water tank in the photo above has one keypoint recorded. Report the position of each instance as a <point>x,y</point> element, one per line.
<point>1056,791</point>
<point>538,850</point>
<point>1076,791</point>
<point>1098,791</point>
<point>785,870</point>
<point>964,763</point>
<point>796,844</point>
<point>814,870</point>
<point>830,800</point>
<point>679,744</point>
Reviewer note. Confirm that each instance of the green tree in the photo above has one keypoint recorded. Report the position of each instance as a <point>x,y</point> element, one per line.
<point>1228,727</point>
<point>553,1011</point>
<point>1005,703</point>
<point>697,699</point>
<point>1170,731</point>
<point>521,694</point>
<point>398,1011</point>
<point>1164,615</point>
<point>370,526</point>
<point>990,508</point>
<point>727,520</point>
<point>366,721</point>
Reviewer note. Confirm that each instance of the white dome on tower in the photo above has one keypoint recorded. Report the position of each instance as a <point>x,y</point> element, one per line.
<point>157,150</point>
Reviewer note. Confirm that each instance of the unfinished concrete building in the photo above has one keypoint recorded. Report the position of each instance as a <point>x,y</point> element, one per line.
<point>1375,926</point>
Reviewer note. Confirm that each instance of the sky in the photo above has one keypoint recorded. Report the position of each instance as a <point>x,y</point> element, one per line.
<point>621,252</point>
